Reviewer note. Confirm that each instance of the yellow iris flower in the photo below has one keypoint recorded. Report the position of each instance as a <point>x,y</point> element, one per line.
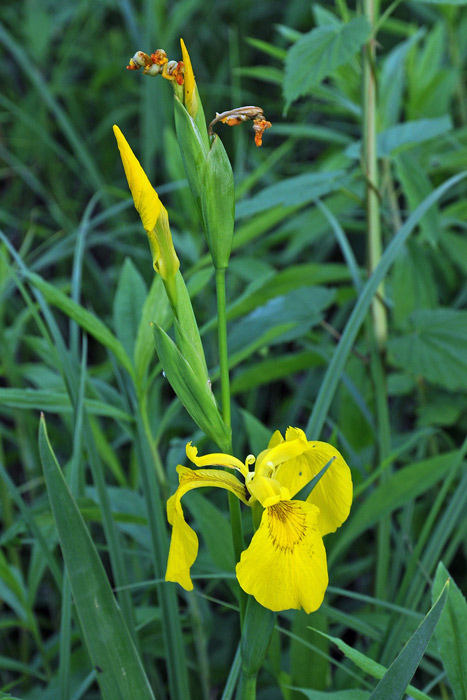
<point>285,564</point>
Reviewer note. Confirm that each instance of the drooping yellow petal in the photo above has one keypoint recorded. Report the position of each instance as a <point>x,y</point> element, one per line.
<point>333,492</point>
<point>145,197</point>
<point>189,84</point>
<point>184,541</point>
<point>285,565</point>
<point>217,459</point>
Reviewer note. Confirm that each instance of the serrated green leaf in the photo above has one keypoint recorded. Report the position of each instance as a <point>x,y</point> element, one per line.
<point>317,54</point>
<point>451,633</point>
<point>417,186</point>
<point>120,673</point>
<point>396,679</point>
<point>435,348</point>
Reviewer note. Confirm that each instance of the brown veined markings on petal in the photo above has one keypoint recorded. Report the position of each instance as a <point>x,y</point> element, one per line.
<point>287,525</point>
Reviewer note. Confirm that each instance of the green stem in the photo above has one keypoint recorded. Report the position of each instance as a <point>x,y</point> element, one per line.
<point>234,505</point>
<point>375,250</point>
<point>222,341</point>
<point>370,164</point>
<point>247,688</point>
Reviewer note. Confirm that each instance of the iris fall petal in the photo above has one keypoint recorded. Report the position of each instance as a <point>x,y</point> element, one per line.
<point>285,565</point>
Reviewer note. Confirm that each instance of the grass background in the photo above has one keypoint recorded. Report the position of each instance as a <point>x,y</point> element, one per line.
<point>69,232</point>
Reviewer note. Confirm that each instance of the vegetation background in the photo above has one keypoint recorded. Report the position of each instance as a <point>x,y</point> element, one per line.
<point>77,293</point>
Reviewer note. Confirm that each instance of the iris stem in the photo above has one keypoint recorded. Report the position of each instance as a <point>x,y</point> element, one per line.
<point>370,164</point>
<point>234,505</point>
<point>375,249</point>
<point>247,688</point>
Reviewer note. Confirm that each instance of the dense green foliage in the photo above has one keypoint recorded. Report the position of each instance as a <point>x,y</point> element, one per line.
<point>77,294</point>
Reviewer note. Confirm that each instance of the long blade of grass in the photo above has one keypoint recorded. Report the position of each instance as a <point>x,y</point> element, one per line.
<point>120,673</point>
<point>78,144</point>
<point>451,633</point>
<point>337,364</point>
<point>393,684</point>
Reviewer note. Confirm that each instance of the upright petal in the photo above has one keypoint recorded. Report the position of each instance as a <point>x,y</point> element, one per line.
<point>218,459</point>
<point>184,542</point>
<point>145,197</point>
<point>285,565</point>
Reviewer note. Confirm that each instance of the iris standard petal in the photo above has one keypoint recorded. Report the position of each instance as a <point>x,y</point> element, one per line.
<point>145,197</point>
<point>217,459</point>
<point>281,452</point>
<point>184,541</point>
<point>285,565</point>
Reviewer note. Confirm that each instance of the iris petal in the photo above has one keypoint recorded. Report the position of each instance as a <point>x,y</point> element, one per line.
<point>333,492</point>
<point>285,565</point>
<point>218,459</point>
<point>184,541</point>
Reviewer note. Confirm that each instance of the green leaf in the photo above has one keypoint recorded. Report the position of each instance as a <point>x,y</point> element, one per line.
<point>337,364</point>
<point>372,668</point>
<point>308,668</point>
<point>256,636</point>
<point>214,528</point>
<point>451,633</point>
<point>128,303</point>
<point>293,191</point>
<point>444,2</point>
<point>90,323</point>
<point>417,186</point>
<point>351,694</point>
<point>274,368</point>
<point>155,308</point>
<point>399,488</point>
<point>394,682</point>
<point>120,673</point>
<point>193,149</point>
<point>57,402</point>
<point>192,390</point>
<point>281,319</point>
<point>218,203</point>
<point>401,136</point>
<point>435,347</point>
<point>317,54</point>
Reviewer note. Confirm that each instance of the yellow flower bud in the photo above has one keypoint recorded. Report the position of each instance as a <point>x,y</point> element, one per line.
<point>189,85</point>
<point>151,210</point>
